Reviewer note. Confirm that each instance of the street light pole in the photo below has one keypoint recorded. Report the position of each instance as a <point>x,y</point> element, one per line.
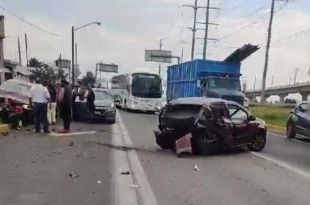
<point>72,62</point>
<point>73,43</point>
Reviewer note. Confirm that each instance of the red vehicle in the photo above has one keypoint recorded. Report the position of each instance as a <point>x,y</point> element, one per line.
<point>17,91</point>
<point>213,124</point>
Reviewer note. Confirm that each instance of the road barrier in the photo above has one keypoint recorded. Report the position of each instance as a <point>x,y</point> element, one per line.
<point>4,129</point>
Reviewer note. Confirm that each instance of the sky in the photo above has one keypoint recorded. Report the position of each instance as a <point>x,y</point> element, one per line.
<point>131,26</point>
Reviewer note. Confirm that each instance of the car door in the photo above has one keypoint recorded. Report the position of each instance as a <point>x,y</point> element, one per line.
<point>303,119</point>
<point>239,117</point>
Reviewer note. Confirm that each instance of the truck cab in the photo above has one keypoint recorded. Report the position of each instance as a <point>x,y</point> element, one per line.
<point>227,87</point>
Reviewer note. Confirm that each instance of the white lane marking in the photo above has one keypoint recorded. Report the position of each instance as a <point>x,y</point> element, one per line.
<point>145,192</point>
<point>299,140</point>
<point>72,133</point>
<point>283,164</point>
<point>122,194</point>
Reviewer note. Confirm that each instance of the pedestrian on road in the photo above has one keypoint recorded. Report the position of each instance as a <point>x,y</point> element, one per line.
<point>90,99</point>
<point>39,99</point>
<point>65,100</point>
<point>52,108</point>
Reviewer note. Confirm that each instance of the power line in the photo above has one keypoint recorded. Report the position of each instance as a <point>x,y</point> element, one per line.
<point>256,21</point>
<point>29,23</point>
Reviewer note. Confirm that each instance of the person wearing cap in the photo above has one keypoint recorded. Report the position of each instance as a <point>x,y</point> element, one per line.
<point>39,99</point>
<point>65,102</point>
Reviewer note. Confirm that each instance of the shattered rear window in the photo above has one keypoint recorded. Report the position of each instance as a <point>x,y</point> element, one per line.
<point>182,111</point>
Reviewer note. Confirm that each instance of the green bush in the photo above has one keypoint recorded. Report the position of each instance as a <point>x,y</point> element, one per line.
<point>272,115</point>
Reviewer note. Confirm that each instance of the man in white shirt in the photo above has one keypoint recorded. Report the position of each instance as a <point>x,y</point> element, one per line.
<point>39,99</point>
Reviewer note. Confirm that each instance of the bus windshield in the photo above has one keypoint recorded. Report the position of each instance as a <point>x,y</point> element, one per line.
<point>146,86</point>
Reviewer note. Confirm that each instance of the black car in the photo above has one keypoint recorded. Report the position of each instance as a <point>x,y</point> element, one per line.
<point>299,121</point>
<point>104,108</point>
<point>212,123</point>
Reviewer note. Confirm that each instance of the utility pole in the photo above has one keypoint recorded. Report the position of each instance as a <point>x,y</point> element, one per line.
<point>160,47</point>
<point>19,52</point>
<point>195,7</point>
<point>263,93</point>
<point>206,29</point>
<point>76,53</point>
<point>207,23</point>
<point>26,45</point>
<point>72,60</point>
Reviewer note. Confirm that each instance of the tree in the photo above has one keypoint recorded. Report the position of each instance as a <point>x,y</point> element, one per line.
<point>33,62</point>
<point>45,72</point>
<point>89,79</point>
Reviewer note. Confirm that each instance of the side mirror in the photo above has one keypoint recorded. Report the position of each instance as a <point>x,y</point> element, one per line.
<point>252,118</point>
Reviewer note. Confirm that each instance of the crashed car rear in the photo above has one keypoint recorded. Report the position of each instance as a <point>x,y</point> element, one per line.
<point>210,124</point>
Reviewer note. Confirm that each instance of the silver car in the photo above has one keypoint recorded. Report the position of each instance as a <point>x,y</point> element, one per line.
<point>104,106</point>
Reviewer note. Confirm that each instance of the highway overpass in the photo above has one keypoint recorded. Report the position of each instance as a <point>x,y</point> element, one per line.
<point>282,91</point>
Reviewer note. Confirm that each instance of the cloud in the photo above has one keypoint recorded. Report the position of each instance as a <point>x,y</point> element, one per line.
<point>130,27</point>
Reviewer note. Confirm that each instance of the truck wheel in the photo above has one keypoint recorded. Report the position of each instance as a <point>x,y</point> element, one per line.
<point>205,143</point>
<point>258,143</point>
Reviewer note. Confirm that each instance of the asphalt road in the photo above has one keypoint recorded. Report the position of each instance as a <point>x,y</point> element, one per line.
<point>35,169</point>
<point>278,176</point>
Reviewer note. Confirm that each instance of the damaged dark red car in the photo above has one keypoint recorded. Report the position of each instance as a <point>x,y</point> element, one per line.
<point>211,125</point>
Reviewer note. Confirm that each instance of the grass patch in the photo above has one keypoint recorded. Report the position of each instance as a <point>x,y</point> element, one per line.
<point>272,115</point>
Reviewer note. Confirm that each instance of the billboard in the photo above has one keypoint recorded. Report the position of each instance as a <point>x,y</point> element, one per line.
<point>161,56</point>
<point>63,63</point>
<point>111,68</point>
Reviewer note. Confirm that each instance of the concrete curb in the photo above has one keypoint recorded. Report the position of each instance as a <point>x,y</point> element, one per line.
<point>128,161</point>
<point>121,191</point>
<point>144,192</point>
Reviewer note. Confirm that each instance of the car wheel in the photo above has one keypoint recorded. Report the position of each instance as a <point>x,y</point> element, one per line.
<point>113,121</point>
<point>290,131</point>
<point>205,143</point>
<point>165,142</point>
<point>258,143</point>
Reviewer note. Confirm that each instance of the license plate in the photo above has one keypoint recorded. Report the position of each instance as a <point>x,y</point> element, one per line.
<point>98,113</point>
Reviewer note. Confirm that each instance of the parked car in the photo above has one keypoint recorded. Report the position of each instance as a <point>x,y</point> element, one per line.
<point>17,91</point>
<point>213,123</point>
<point>299,121</point>
<point>104,105</point>
<point>104,109</point>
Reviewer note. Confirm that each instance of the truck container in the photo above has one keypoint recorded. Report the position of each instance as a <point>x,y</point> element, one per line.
<point>217,79</point>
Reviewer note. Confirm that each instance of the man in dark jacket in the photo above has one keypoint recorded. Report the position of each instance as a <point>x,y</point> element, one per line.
<point>65,100</point>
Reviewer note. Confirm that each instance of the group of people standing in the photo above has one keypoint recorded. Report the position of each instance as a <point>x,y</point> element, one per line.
<point>50,101</point>
<point>45,99</point>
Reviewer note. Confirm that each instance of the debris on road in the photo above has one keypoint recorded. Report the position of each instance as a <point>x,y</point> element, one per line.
<point>196,168</point>
<point>73,175</point>
<point>125,173</point>
<point>134,186</point>
<point>71,144</point>
<point>99,182</point>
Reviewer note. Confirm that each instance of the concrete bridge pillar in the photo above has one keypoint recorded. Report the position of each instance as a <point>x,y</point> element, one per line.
<point>282,97</point>
<point>305,96</point>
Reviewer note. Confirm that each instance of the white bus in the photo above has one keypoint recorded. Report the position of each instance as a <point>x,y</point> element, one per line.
<point>137,91</point>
